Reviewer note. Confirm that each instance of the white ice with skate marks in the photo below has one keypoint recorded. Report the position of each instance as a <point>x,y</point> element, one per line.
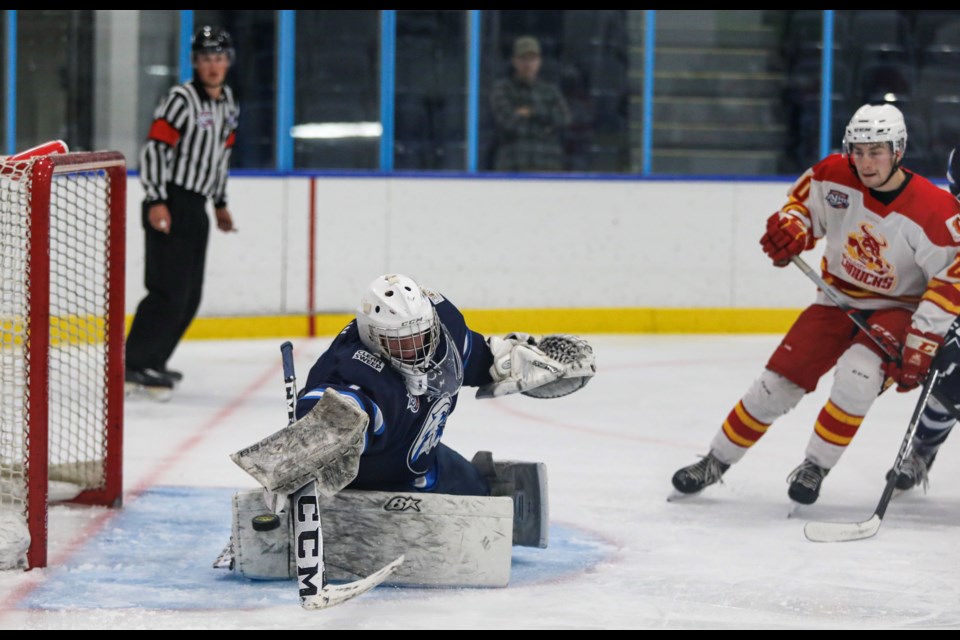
<point>726,558</point>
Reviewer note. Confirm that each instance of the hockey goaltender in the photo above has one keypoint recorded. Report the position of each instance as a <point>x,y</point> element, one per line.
<point>362,451</point>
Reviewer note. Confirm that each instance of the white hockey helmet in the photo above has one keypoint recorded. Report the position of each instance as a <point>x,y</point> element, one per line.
<point>397,322</point>
<point>876,123</point>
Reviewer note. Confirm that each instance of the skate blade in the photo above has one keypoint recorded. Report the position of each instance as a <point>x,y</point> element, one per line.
<point>676,496</point>
<point>796,509</point>
<point>156,394</point>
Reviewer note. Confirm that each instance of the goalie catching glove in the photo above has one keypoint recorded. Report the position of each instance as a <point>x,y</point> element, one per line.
<point>556,366</point>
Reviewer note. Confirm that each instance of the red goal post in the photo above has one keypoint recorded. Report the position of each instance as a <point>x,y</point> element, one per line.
<point>62,233</point>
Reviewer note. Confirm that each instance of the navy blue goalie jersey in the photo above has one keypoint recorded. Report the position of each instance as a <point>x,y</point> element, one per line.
<point>404,430</point>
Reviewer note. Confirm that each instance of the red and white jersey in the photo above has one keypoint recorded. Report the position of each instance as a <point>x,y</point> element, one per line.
<point>877,256</point>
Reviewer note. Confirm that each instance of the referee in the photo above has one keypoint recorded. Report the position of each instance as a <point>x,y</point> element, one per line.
<point>183,164</point>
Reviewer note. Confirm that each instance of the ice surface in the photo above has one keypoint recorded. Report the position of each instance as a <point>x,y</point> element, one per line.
<point>620,555</point>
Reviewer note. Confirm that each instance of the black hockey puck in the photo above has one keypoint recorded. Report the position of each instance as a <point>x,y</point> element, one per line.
<point>265,522</point>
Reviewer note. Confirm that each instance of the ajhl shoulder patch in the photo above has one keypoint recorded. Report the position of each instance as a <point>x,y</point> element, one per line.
<point>838,199</point>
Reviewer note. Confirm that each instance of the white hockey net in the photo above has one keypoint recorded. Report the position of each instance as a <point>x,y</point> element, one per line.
<point>61,337</point>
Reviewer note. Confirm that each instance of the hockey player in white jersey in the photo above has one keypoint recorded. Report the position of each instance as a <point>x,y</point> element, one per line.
<point>891,244</point>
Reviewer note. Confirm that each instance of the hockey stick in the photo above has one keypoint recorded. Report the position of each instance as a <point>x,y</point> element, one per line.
<point>844,531</point>
<point>307,530</point>
<point>891,354</point>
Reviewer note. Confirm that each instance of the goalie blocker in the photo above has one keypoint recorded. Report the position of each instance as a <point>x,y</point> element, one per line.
<point>447,540</point>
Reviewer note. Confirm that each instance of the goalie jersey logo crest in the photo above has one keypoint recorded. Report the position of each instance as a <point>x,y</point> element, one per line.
<point>429,437</point>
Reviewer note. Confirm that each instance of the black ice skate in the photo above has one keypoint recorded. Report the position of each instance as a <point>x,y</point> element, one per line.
<point>805,482</point>
<point>149,383</point>
<point>175,376</point>
<point>697,477</point>
<point>914,469</point>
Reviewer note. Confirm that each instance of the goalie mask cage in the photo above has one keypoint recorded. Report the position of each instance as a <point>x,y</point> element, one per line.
<point>62,235</point>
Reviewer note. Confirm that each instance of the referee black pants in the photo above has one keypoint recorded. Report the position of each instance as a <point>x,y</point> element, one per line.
<point>173,275</point>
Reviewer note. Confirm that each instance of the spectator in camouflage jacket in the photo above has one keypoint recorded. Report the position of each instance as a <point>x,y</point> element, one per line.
<point>530,115</point>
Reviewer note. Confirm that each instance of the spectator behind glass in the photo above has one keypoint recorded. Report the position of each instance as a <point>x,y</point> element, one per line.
<point>530,115</point>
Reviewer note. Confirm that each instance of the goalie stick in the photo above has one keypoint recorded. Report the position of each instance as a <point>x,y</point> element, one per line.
<point>845,531</point>
<point>307,530</point>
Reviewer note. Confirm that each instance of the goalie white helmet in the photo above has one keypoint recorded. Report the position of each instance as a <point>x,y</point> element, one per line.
<point>397,322</point>
<point>876,123</point>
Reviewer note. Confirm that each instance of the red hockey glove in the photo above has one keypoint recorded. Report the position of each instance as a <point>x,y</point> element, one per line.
<point>918,352</point>
<point>786,237</point>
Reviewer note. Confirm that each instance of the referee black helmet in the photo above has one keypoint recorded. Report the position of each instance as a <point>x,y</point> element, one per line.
<point>209,39</point>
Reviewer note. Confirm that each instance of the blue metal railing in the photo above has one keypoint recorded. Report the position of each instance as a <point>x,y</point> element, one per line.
<point>826,84</point>
<point>473,90</point>
<point>388,46</point>
<point>186,36</point>
<point>286,88</point>
<point>10,117</point>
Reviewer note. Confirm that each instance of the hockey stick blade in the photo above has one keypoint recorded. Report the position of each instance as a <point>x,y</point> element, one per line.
<point>841,531</point>
<point>845,531</point>
<point>333,594</point>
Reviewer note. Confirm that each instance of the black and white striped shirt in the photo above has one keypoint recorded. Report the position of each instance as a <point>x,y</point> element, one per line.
<point>189,144</point>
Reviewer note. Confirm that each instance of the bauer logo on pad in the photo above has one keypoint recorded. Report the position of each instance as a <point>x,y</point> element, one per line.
<point>402,503</point>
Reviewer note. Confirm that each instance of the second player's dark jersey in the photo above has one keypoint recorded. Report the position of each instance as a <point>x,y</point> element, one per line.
<point>404,430</point>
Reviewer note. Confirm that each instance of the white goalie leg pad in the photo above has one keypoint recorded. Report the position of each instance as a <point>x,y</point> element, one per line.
<point>447,540</point>
<point>261,554</point>
<point>526,484</point>
<point>324,445</point>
